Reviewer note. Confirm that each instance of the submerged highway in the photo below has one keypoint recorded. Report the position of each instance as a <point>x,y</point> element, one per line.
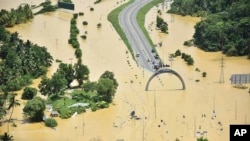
<point>136,38</point>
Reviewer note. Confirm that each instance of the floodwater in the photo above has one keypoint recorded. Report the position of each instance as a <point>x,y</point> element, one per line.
<point>165,111</point>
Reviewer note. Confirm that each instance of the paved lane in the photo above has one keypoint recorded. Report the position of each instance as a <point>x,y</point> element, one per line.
<point>137,40</point>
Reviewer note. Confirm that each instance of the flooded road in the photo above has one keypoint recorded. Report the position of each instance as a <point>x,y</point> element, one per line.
<point>165,112</point>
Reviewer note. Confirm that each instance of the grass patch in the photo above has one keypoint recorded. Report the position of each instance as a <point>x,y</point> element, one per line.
<point>141,19</point>
<point>113,17</point>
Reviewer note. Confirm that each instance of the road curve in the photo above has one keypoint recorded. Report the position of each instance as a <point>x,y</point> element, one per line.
<point>136,38</point>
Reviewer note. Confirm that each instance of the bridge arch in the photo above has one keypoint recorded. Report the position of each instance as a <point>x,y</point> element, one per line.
<point>165,70</point>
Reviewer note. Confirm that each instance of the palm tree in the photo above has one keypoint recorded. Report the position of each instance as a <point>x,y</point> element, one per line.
<point>3,109</point>
<point>6,137</point>
<point>12,103</point>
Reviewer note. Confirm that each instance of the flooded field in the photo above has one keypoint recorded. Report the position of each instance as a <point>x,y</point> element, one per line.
<point>165,111</point>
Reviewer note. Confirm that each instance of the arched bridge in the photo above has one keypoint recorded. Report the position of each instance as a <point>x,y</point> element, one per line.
<point>165,70</point>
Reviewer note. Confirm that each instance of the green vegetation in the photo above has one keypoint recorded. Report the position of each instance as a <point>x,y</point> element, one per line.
<point>84,37</point>
<point>189,43</point>
<point>16,16</point>
<point>91,9</point>
<point>21,61</point>
<point>50,122</point>
<point>97,94</point>
<point>204,74</point>
<point>113,17</point>
<point>161,24</point>
<point>187,58</point>
<point>47,7</point>
<point>97,1</point>
<point>62,79</point>
<point>177,53</point>
<point>85,23</point>
<point>7,104</point>
<point>225,26</point>
<point>78,53</point>
<point>34,109</point>
<point>67,1</point>
<point>29,93</point>
<point>6,137</point>
<point>202,139</point>
<point>99,25</point>
<point>81,13</point>
<point>74,31</point>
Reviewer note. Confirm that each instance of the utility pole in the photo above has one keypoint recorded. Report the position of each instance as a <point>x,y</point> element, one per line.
<point>222,65</point>
<point>83,124</point>
<point>235,110</point>
<point>143,128</point>
<point>155,104</point>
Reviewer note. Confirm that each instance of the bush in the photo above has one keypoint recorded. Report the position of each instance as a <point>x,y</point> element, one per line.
<point>190,61</point>
<point>85,23</point>
<point>94,107</point>
<point>204,74</point>
<point>177,53</point>
<point>91,9</point>
<point>81,13</point>
<point>84,37</point>
<point>78,53</point>
<point>99,25</point>
<point>50,122</point>
<point>75,15</point>
<point>197,69</point>
<point>29,93</point>
<point>188,43</point>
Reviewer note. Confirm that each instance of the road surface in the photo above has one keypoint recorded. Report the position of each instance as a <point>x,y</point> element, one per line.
<point>136,38</point>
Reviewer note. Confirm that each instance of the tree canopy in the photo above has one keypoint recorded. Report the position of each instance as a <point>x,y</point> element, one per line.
<point>16,16</point>
<point>34,109</point>
<point>225,26</point>
<point>21,61</point>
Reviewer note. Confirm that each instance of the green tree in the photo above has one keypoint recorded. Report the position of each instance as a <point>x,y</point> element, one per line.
<point>177,52</point>
<point>105,89</point>
<point>45,86</point>
<point>78,53</point>
<point>55,85</point>
<point>34,109</point>
<point>110,75</point>
<point>68,71</point>
<point>89,86</point>
<point>204,74</point>
<point>81,72</point>
<point>3,104</point>
<point>6,137</point>
<point>12,104</point>
<point>29,93</point>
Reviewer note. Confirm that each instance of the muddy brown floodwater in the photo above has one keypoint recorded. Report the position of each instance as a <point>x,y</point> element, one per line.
<point>165,111</point>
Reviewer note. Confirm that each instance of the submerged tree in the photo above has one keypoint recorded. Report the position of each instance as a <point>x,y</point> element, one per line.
<point>12,104</point>
<point>6,137</point>
<point>55,85</point>
<point>34,109</point>
<point>105,89</point>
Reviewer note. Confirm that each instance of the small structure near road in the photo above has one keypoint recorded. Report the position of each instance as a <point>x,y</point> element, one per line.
<point>54,114</point>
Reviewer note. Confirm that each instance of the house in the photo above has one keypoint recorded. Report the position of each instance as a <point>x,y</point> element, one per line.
<point>54,114</point>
